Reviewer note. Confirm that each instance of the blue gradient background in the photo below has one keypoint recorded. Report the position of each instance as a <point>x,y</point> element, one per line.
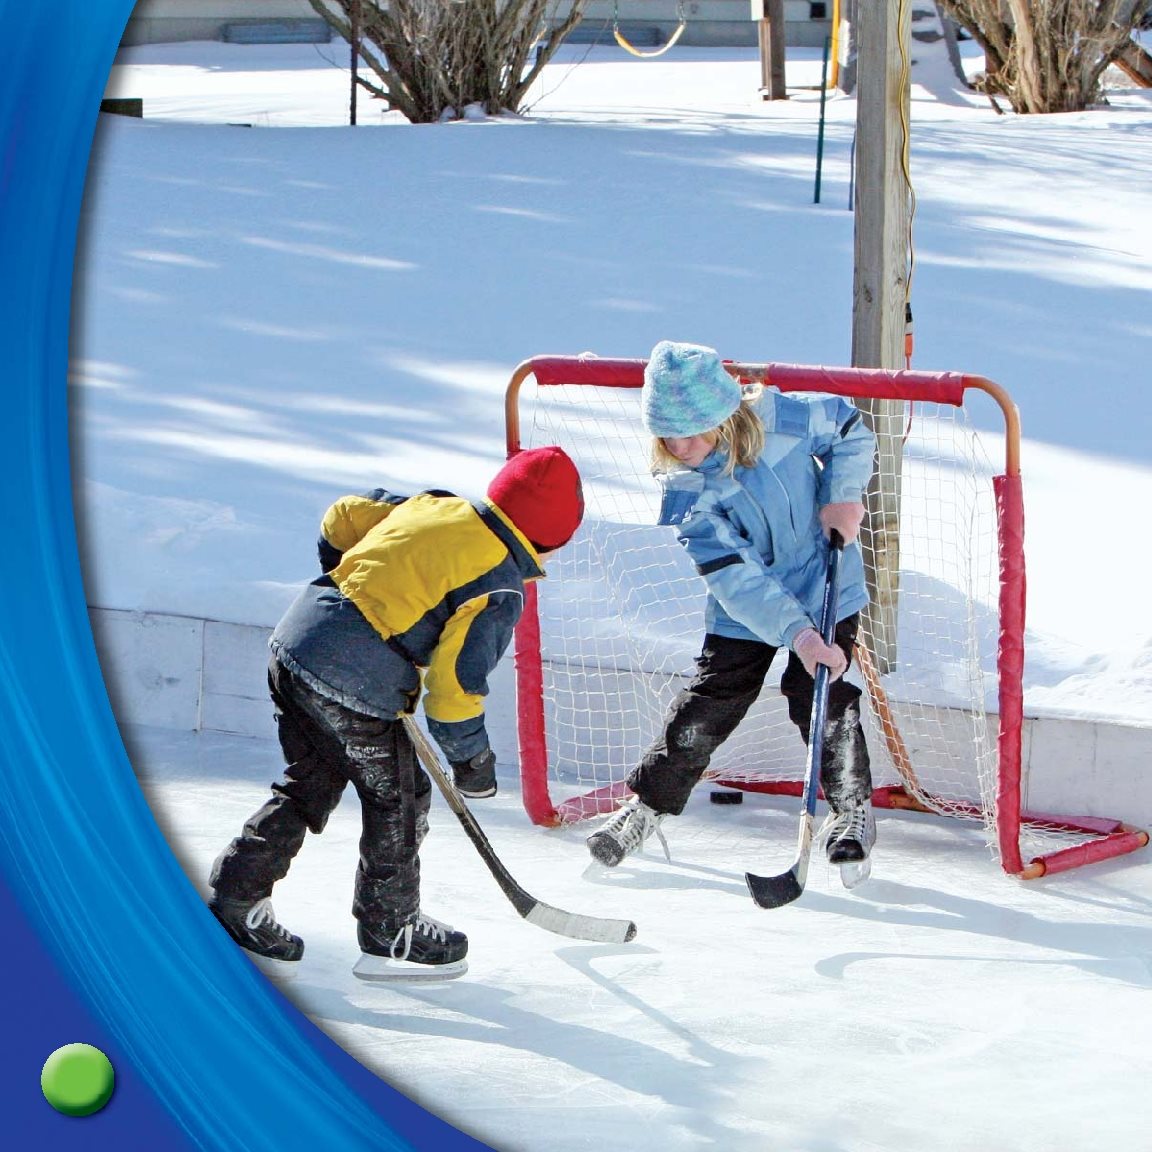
<point>103,940</point>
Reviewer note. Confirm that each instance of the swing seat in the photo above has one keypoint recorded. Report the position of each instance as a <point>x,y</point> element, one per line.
<point>663,44</point>
<point>643,40</point>
<point>657,40</point>
<point>642,36</point>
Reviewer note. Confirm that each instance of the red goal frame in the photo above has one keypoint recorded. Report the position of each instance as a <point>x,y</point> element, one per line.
<point>1106,838</point>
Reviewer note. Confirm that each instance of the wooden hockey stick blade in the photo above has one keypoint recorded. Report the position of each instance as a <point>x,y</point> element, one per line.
<point>573,924</point>
<point>578,926</point>
<point>776,891</point>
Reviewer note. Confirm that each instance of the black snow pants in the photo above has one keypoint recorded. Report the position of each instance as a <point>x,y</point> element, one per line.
<point>326,746</point>
<point>729,676</point>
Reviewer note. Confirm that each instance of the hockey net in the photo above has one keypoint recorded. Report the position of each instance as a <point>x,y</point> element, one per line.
<point>609,638</point>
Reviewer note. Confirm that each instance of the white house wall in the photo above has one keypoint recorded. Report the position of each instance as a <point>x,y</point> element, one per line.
<point>710,22</point>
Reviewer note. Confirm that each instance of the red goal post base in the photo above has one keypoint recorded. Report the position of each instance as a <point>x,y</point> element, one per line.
<point>1106,838</point>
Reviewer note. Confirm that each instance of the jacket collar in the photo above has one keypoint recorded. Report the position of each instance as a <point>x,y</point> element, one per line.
<point>522,553</point>
<point>713,463</point>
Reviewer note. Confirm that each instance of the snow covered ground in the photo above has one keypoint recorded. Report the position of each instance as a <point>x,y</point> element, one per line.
<point>273,308</point>
<point>262,320</point>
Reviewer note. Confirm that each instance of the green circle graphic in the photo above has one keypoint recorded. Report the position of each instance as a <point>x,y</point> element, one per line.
<point>77,1080</point>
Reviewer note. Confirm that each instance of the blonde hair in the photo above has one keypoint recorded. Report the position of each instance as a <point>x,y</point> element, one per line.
<point>741,436</point>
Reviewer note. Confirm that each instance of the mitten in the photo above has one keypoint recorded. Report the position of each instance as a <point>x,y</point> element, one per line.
<point>845,518</point>
<point>810,647</point>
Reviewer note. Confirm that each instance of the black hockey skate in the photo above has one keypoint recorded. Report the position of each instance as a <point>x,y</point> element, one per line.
<point>255,928</point>
<point>476,778</point>
<point>848,838</point>
<point>625,832</point>
<point>422,950</point>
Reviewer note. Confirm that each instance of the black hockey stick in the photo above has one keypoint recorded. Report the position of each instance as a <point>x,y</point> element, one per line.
<point>775,891</point>
<point>534,911</point>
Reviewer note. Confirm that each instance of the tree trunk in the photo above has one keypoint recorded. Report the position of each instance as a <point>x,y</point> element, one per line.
<point>1047,55</point>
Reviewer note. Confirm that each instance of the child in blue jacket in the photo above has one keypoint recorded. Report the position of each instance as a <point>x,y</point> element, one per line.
<point>755,481</point>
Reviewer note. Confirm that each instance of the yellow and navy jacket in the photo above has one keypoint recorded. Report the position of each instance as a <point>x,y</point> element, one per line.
<point>418,593</point>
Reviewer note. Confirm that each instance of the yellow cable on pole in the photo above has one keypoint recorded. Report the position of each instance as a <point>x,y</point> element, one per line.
<point>906,166</point>
<point>834,49</point>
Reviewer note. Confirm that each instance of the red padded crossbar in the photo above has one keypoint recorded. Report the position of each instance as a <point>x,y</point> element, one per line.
<point>941,387</point>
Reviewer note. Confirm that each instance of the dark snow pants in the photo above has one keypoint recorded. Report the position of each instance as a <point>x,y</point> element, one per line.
<point>326,746</point>
<point>729,676</point>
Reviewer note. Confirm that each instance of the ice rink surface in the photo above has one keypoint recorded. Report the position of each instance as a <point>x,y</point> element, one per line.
<point>941,1005</point>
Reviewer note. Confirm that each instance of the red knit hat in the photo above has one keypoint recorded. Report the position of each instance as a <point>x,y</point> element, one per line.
<point>539,491</point>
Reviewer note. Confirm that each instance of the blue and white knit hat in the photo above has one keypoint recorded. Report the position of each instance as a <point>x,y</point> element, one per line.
<point>686,390</point>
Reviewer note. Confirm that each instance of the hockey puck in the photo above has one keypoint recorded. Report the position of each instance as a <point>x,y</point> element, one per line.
<point>726,796</point>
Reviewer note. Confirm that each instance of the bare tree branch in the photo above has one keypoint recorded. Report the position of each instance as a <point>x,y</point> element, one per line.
<point>433,55</point>
<point>1047,55</point>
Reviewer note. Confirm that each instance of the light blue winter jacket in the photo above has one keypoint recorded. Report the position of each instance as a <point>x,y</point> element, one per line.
<point>755,535</point>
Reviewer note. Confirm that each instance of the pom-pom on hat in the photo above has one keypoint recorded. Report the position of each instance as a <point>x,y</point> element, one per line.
<point>539,490</point>
<point>686,390</point>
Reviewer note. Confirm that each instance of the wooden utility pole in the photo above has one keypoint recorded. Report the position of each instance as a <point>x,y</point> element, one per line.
<point>769,17</point>
<point>881,285</point>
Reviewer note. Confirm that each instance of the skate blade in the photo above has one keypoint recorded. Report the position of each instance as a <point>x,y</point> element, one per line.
<point>278,971</point>
<point>855,872</point>
<point>379,970</point>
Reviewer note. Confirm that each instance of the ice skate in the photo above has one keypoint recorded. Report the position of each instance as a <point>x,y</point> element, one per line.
<point>625,832</point>
<point>848,838</point>
<point>476,778</point>
<point>423,950</point>
<point>255,928</point>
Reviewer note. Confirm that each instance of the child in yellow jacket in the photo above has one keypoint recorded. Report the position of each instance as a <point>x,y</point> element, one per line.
<point>419,594</point>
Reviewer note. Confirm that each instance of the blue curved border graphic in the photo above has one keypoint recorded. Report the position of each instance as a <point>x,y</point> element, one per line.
<point>104,940</point>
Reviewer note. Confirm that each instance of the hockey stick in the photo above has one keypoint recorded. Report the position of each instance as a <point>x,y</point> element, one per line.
<point>774,891</point>
<point>534,911</point>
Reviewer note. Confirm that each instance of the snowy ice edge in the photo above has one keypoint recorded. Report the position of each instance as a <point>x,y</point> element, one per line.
<point>187,673</point>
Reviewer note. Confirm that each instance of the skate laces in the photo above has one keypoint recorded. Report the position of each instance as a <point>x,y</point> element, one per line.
<point>261,915</point>
<point>632,825</point>
<point>856,823</point>
<point>850,825</point>
<point>426,926</point>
